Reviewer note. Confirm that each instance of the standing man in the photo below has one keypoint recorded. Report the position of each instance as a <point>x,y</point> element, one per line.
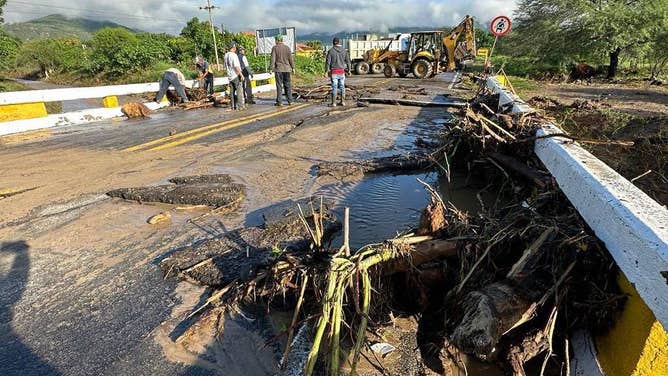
<point>203,68</point>
<point>282,65</point>
<point>337,65</point>
<point>248,75</point>
<point>173,77</point>
<point>234,74</point>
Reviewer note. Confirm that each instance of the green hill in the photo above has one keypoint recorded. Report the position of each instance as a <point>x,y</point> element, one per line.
<point>57,25</point>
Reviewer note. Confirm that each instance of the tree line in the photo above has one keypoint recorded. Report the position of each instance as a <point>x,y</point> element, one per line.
<point>555,34</point>
<point>119,54</point>
<point>549,36</point>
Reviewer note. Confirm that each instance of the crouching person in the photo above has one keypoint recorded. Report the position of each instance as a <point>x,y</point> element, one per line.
<point>172,77</point>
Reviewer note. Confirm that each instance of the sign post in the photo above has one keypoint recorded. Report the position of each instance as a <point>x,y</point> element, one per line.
<point>500,26</point>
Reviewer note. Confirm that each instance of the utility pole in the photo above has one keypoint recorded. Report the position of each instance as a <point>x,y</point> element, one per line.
<point>209,8</point>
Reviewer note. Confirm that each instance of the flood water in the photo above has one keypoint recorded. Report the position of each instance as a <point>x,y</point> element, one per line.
<point>384,205</point>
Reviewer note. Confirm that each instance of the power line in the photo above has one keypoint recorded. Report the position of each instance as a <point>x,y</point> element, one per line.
<point>209,7</point>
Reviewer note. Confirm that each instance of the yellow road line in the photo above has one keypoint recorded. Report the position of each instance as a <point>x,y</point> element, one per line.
<point>213,127</point>
<point>223,128</point>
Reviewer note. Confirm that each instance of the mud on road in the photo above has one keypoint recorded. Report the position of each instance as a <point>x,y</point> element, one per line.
<point>80,287</point>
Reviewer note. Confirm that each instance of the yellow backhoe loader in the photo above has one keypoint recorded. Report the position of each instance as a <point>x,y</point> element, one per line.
<point>432,52</point>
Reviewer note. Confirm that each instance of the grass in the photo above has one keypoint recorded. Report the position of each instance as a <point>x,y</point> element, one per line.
<point>10,85</point>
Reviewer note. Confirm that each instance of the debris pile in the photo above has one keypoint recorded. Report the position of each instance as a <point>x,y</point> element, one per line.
<point>323,92</point>
<point>633,144</point>
<point>395,163</point>
<point>135,110</point>
<point>216,191</point>
<point>506,285</point>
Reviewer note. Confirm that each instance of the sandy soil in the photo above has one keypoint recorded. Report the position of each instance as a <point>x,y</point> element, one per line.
<point>630,111</point>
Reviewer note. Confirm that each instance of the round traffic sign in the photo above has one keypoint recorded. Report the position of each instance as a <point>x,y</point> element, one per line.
<point>500,26</point>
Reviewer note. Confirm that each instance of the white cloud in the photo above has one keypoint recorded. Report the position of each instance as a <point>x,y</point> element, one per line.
<point>307,16</point>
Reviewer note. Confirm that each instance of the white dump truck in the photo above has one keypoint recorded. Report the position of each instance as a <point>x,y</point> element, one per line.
<point>357,48</point>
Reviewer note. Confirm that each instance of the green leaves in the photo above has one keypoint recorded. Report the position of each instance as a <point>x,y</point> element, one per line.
<point>561,32</point>
<point>9,47</point>
<point>2,4</point>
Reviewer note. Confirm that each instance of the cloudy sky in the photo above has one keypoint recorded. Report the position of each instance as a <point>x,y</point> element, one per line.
<point>307,16</point>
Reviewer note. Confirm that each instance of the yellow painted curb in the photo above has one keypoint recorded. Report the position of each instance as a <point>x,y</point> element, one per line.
<point>110,101</point>
<point>22,111</point>
<point>253,83</point>
<point>638,344</point>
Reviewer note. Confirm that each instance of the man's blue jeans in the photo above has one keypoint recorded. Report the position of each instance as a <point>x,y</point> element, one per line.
<point>338,81</point>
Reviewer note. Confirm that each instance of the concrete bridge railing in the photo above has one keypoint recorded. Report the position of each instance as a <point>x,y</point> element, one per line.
<point>634,229</point>
<point>22,111</point>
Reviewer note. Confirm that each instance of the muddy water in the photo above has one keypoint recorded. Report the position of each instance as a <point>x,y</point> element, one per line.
<point>380,205</point>
<point>383,205</point>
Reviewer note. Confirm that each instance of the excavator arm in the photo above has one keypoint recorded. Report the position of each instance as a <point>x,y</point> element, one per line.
<point>457,51</point>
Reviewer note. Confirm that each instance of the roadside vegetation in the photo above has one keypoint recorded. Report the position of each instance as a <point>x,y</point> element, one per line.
<point>118,55</point>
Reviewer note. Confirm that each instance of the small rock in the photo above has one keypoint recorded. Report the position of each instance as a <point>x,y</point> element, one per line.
<point>382,348</point>
<point>160,218</point>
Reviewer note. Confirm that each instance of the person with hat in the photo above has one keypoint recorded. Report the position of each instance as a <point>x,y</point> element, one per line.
<point>337,65</point>
<point>247,73</point>
<point>203,70</point>
<point>235,76</point>
<point>282,65</point>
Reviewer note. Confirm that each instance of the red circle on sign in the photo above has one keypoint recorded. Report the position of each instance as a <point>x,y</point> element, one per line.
<point>500,26</point>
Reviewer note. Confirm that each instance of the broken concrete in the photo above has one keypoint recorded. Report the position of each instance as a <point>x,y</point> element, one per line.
<point>210,190</point>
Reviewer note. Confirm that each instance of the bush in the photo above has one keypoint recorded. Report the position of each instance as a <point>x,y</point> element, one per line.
<point>9,48</point>
<point>310,65</point>
<point>117,51</point>
<point>52,55</point>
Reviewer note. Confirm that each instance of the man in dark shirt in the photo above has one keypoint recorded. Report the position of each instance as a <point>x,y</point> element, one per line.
<point>203,68</point>
<point>282,65</point>
<point>248,75</point>
<point>337,65</point>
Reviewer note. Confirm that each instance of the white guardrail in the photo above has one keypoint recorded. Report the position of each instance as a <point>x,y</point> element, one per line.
<point>632,225</point>
<point>94,114</point>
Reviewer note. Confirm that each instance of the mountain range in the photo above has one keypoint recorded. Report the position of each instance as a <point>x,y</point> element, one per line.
<point>57,25</point>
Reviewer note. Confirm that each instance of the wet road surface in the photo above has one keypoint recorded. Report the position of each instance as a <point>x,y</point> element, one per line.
<point>80,293</point>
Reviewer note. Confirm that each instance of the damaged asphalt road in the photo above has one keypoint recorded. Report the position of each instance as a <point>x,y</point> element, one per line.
<point>81,290</point>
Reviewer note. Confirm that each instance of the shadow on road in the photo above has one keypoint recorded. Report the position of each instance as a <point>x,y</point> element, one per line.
<point>15,357</point>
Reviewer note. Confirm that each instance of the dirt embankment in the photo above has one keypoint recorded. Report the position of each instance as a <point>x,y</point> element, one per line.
<point>616,112</point>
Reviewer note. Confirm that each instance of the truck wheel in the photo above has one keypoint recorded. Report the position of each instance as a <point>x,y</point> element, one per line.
<point>389,71</point>
<point>422,69</point>
<point>377,68</point>
<point>362,68</point>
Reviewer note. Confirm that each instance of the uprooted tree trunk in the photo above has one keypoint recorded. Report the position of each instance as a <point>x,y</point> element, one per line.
<point>488,313</point>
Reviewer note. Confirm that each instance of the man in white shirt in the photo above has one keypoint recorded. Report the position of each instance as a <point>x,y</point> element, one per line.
<point>235,76</point>
<point>173,77</point>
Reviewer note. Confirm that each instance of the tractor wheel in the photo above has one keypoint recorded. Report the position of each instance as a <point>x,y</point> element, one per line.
<point>377,68</point>
<point>422,69</point>
<point>389,71</point>
<point>362,68</point>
